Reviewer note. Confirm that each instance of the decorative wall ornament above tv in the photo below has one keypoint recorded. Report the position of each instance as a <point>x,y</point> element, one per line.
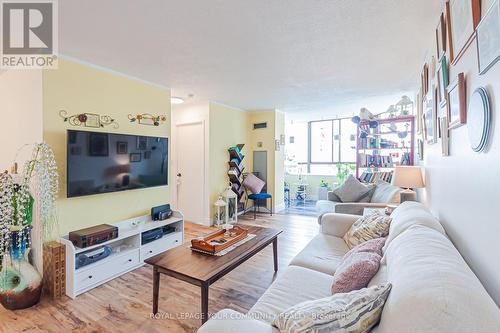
<point>88,119</point>
<point>148,119</point>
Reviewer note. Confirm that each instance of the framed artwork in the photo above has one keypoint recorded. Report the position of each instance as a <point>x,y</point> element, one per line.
<point>462,18</point>
<point>142,143</point>
<point>456,102</point>
<point>98,144</point>
<point>425,79</point>
<point>445,136</point>
<point>121,147</point>
<point>443,79</point>
<point>93,120</point>
<point>420,150</point>
<point>488,38</point>
<point>441,37</point>
<point>419,113</point>
<point>147,154</point>
<point>135,157</point>
<point>430,130</point>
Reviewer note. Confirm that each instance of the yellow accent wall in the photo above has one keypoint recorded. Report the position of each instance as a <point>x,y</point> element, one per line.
<point>227,128</point>
<point>79,88</point>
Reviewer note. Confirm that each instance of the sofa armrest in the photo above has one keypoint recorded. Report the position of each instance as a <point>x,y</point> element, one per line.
<point>356,208</point>
<point>337,224</point>
<point>230,321</point>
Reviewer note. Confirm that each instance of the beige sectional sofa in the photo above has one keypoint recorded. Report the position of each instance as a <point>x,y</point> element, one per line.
<point>433,289</point>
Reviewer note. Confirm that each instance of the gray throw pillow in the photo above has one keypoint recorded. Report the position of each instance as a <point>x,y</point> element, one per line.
<point>351,190</point>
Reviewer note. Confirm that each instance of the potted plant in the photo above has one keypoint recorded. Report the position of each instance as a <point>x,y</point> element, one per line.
<point>323,190</point>
<point>36,187</point>
<point>344,170</point>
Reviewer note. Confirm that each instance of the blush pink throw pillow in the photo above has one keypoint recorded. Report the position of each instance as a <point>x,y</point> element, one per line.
<point>355,272</point>
<point>253,183</point>
<point>373,246</point>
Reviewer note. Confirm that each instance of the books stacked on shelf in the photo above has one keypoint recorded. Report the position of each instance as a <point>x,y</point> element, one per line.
<point>405,159</point>
<point>236,168</point>
<point>372,177</point>
<point>377,143</point>
<point>375,161</point>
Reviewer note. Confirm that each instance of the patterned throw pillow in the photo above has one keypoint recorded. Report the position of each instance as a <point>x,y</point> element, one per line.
<point>375,225</point>
<point>354,312</point>
<point>355,271</point>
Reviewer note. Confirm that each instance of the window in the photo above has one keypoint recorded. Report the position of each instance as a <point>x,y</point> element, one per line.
<point>316,147</point>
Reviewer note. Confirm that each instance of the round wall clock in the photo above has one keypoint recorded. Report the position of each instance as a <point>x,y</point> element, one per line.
<point>479,119</point>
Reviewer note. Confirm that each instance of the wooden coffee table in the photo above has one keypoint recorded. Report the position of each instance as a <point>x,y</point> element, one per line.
<point>202,270</point>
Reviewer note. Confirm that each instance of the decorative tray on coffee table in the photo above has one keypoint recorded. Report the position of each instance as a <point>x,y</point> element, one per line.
<point>219,240</point>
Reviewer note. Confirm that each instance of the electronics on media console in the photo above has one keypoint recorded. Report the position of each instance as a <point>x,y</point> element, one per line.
<point>93,235</point>
<point>152,235</point>
<point>161,213</point>
<point>92,256</point>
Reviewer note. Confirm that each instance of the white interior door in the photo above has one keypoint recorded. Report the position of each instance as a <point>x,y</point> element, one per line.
<point>190,176</point>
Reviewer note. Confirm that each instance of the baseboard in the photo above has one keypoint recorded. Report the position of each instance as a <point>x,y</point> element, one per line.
<point>203,221</point>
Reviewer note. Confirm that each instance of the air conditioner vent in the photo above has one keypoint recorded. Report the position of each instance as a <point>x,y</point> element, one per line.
<point>259,125</point>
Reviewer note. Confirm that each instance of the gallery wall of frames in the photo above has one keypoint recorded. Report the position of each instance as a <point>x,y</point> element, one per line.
<point>458,137</point>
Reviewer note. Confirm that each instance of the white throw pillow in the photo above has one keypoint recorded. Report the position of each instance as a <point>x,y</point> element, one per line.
<point>351,190</point>
<point>375,225</point>
<point>357,311</point>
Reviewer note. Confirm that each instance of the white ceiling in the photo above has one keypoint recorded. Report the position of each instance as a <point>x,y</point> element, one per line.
<point>295,55</point>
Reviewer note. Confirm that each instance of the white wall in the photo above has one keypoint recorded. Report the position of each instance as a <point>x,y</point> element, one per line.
<point>21,124</point>
<point>462,189</point>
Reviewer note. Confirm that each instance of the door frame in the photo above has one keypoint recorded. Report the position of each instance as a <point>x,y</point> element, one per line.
<point>206,218</point>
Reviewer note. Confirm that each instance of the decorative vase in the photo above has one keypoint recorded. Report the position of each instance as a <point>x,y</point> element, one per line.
<point>20,282</point>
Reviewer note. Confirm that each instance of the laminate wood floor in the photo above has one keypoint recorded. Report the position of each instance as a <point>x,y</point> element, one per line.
<point>125,303</point>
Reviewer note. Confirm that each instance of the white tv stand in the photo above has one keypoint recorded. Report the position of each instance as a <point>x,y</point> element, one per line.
<point>128,252</point>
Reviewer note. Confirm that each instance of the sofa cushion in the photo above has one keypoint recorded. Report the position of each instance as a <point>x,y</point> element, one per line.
<point>433,289</point>
<point>357,311</point>
<point>323,254</point>
<point>355,272</point>
<point>253,183</point>
<point>292,286</point>
<point>385,193</point>
<point>373,246</point>
<point>351,190</point>
<point>368,227</point>
<point>411,213</point>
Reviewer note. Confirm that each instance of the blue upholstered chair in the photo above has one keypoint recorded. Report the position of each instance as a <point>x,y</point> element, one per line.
<point>254,185</point>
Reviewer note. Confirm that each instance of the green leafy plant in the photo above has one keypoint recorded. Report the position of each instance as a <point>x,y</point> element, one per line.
<point>323,183</point>
<point>344,170</point>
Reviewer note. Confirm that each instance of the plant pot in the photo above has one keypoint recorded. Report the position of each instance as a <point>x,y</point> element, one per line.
<point>20,285</point>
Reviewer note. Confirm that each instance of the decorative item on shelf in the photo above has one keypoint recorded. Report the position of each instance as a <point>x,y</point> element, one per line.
<point>148,119</point>
<point>21,198</point>
<point>488,38</point>
<point>231,199</point>
<point>462,18</point>
<point>88,119</point>
<point>479,119</point>
<point>408,177</point>
<point>220,211</point>
<point>456,102</point>
<point>54,269</point>
<point>405,106</point>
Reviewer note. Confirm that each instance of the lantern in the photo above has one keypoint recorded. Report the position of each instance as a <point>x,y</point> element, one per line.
<point>231,206</point>
<point>220,211</point>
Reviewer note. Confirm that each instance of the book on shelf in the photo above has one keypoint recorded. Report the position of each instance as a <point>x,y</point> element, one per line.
<point>375,161</point>
<point>372,177</point>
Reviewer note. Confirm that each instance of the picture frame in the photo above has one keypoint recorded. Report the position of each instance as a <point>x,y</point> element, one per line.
<point>142,143</point>
<point>462,19</point>
<point>456,102</point>
<point>420,149</point>
<point>441,37</point>
<point>425,79</point>
<point>121,147</point>
<point>443,79</point>
<point>430,130</point>
<point>445,136</point>
<point>419,113</point>
<point>135,157</point>
<point>488,38</point>
<point>147,154</point>
<point>93,120</point>
<point>98,144</point>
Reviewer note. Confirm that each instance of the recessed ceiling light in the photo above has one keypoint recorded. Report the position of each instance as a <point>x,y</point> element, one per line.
<point>176,100</point>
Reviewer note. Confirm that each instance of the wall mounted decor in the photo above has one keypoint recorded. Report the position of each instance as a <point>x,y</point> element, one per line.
<point>462,18</point>
<point>445,136</point>
<point>88,119</point>
<point>420,150</point>
<point>121,147</point>
<point>430,130</point>
<point>479,119</point>
<point>443,79</point>
<point>441,37</point>
<point>425,79</point>
<point>419,113</point>
<point>456,102</point>
<point>148,119</point>
<point>135,157</point>
<point>488,38</point>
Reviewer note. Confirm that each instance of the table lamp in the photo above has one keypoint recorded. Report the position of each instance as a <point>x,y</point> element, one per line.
<point>408,177</point>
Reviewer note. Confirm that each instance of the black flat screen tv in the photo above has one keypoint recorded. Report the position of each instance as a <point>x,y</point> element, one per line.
<point>107,162</point>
